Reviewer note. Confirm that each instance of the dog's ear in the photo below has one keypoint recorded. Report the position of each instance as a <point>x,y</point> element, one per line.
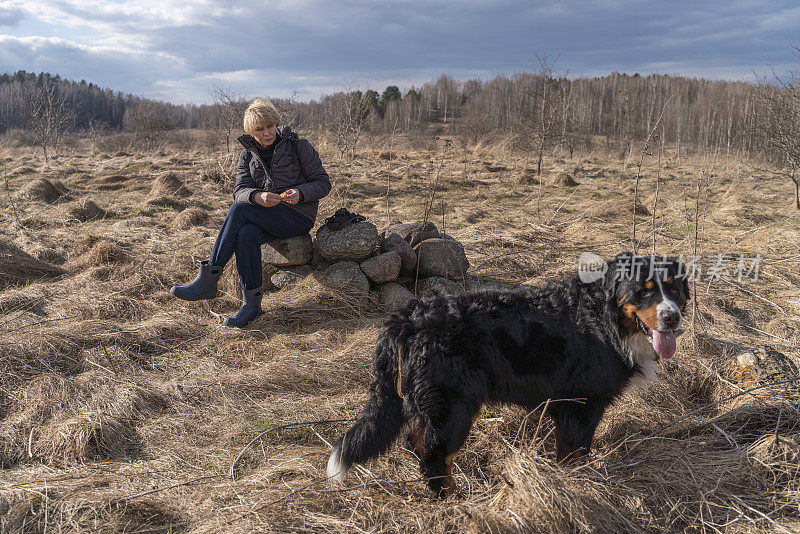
<point>611,280</point>
<point>685,286</point>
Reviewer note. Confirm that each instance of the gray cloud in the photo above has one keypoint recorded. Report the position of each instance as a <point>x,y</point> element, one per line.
<point>10,15</point>
<point>176,50</point>
<point>104,65</point>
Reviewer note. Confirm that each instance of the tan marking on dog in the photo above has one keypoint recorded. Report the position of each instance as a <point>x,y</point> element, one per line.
<point>449,482</point>
<point>669,280</point>
<point>649,284</point>
<point>628,325</point>
<point>416,437</point>
<point>449,485</point>
<point>400,373</point>
<point>624,297</point>
<point>649,316</point>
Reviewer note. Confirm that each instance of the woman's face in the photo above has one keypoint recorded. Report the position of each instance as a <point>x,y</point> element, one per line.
<point>265,135</point>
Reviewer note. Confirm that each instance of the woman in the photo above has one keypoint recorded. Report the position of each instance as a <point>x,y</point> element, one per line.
<point>279,182</point>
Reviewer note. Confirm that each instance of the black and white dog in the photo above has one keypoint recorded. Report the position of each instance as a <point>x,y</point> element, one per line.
<point>440,358</point>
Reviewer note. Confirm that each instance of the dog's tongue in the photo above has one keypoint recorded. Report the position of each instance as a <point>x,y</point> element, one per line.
<point>664,343</point>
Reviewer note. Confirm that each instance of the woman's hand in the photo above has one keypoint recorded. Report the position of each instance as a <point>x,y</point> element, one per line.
<point>266,199</point>
<point>291,196</point>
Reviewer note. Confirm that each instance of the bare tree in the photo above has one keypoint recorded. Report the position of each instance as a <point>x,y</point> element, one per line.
<point>538,119</point>
<point>229,107</point>
<point>44,112</point>
<point>146,121</point>
<point>346,116</point>
<point>779,129</point>
<point>96,129</point>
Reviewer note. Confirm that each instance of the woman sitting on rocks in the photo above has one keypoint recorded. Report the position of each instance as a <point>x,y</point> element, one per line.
<point>279,183</point>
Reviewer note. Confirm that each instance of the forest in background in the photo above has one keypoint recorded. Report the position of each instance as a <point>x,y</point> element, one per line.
<point>701,114</point>
<point>538,113</point>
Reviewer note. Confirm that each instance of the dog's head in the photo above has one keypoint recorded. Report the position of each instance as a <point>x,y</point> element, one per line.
<point>650,293</point>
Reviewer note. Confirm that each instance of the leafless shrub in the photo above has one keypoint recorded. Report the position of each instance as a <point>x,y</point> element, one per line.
<point>219,170</point>
<point>96,130</point>
<point>346,116</point>
<point>779,131</point>
<point>146,121</point>
<point>44,111</point>
<point>229,106</point>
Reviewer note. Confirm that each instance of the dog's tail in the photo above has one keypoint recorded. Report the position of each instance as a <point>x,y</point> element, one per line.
<point>382,418</point>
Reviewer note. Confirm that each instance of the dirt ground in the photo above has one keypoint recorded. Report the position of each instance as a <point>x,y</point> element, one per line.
<point>123,409</point>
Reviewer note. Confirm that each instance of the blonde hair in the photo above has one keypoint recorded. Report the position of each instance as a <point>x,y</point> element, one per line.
<point>260,112</point>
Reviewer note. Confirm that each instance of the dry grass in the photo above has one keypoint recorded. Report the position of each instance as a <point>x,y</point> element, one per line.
<point>18,267</point>
<point>191,217</point>
<point>562,179</point>
<point>86,210</point>
<point>122,409</point>
<point>43,190</point>
<point>169,184</point>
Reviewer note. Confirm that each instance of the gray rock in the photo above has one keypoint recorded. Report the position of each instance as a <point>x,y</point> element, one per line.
<point>353,242</point>
<point>393,296</point>
<point>413,232</point>
<point>317,259</point>
<point>438,284</point>
<point>267,270</point>
<point>345,276</point>
<point>765,364</point>
<point>383,267</point>
<point>406,279</point>
<point>289,276</point>
<point>408,257</point>
<point>289,251</point>
<point>442,257</point>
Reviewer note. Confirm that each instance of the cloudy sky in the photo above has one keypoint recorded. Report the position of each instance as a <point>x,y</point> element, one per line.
<point>177,50</point>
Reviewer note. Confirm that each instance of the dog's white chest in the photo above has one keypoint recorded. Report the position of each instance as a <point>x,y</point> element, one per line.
<point>644,355</point>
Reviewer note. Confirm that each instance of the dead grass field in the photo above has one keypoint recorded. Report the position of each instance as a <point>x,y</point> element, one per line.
<point>122,408</point>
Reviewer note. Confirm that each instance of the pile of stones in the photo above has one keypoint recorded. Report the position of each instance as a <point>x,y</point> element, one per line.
<point>392,263</point>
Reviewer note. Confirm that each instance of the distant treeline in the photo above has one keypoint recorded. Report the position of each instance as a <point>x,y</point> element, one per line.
<point>552,111</point>
<point>88,103</point>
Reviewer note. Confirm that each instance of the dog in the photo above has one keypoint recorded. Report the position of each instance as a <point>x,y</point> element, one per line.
<point>439,359</point>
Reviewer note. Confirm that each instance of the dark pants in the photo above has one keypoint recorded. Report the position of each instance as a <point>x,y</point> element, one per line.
<point>246,228</point>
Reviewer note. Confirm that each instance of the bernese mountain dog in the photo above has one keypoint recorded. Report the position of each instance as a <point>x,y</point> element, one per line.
<point>439,359</point>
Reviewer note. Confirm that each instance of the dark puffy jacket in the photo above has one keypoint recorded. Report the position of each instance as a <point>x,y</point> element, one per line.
<point>295,164</point>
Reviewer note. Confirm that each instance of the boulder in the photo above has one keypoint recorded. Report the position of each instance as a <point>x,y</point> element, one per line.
<point>408,258</point>
<point>393,296</point>
<point>383,267</point>
<point>267,270</point>
<point>438,284</point>
<point>316,258</point>
<point>413,233</point>
<point>288,251</point>
<point>345,276</point>
<point>442,257</point>
<point>289,276</point>
<point>762,365</point>
<point>353,242</point>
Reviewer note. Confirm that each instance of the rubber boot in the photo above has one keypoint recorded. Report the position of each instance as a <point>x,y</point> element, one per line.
<point>203,287</point>
<point>251,308</point>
